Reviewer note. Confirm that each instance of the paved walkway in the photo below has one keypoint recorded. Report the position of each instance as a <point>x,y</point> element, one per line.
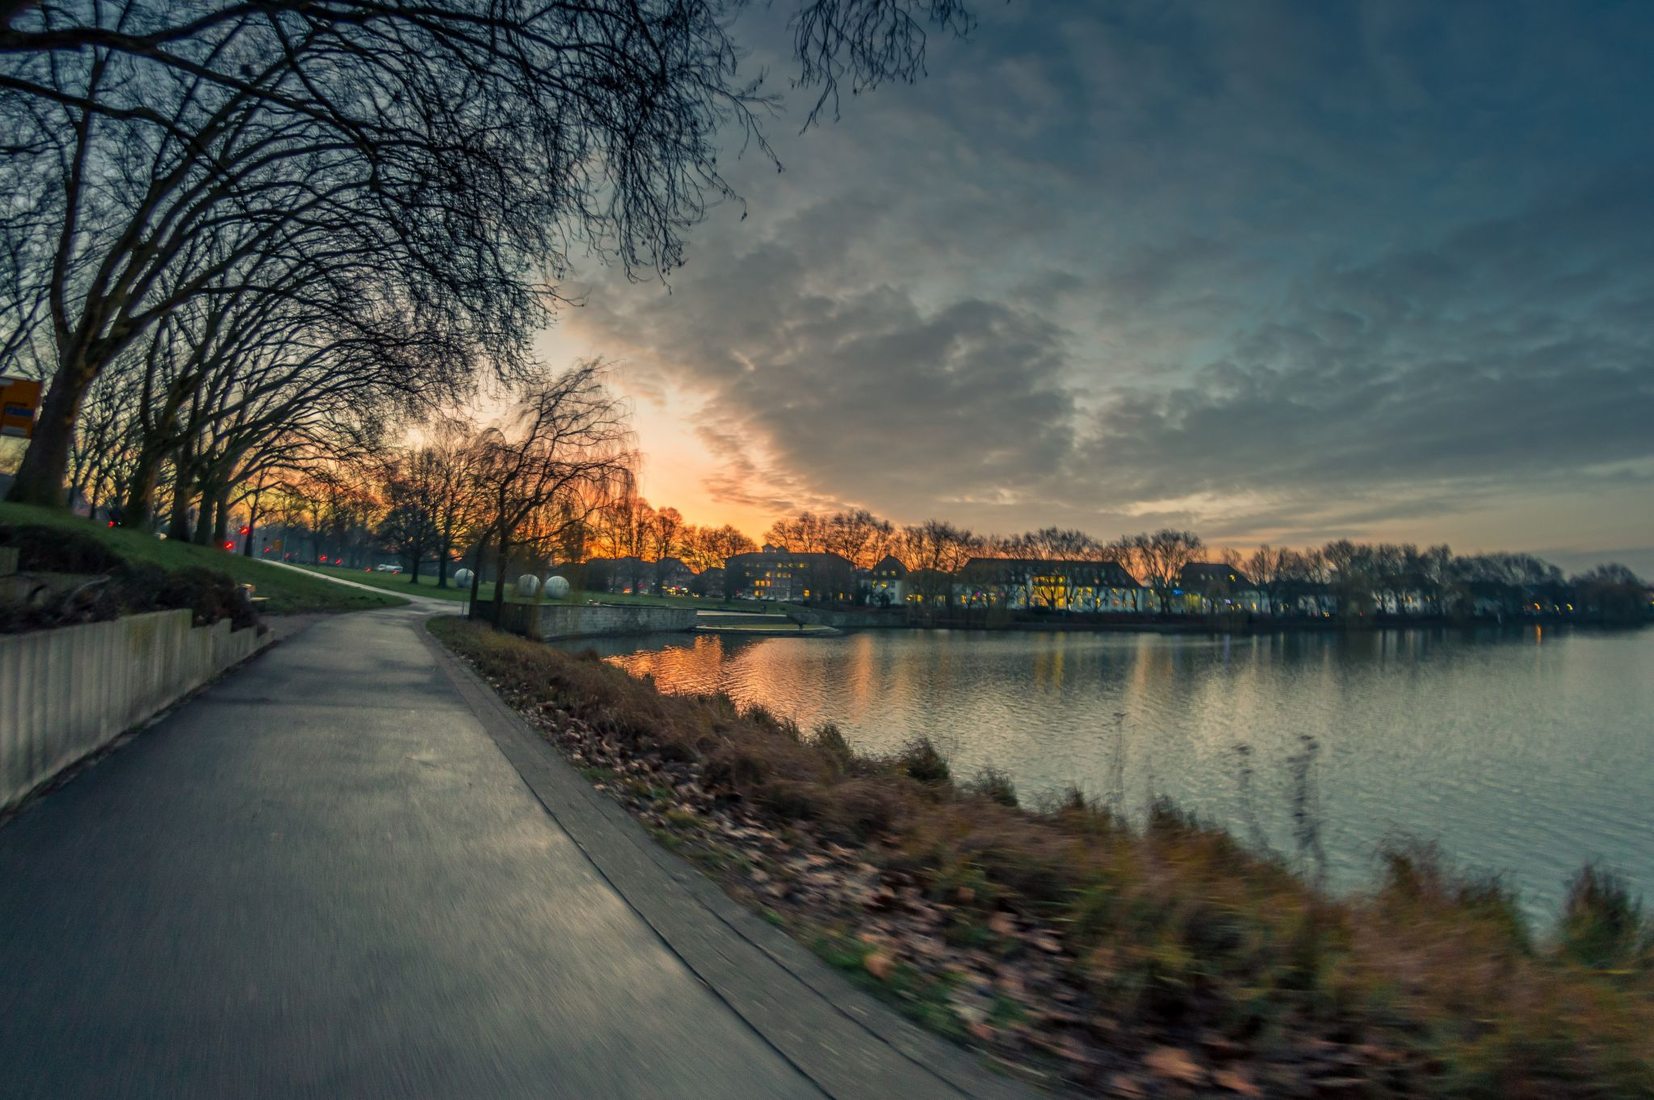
<point>322,877</point>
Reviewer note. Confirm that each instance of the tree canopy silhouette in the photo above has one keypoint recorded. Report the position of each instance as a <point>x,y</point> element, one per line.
<point>434,162</point>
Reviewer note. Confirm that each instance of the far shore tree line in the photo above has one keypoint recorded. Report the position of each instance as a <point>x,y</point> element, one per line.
<point>1358,578</point>
<point>552,484</point>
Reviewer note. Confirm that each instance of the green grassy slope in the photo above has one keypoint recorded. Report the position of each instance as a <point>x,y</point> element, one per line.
<point>398,582</point>
<point>287,591</point>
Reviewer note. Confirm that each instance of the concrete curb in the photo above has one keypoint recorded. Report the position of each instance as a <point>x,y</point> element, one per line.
<point>850,1045</point>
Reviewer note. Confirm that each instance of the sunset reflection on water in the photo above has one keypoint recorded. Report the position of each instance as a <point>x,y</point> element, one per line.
<point>1519,757</point>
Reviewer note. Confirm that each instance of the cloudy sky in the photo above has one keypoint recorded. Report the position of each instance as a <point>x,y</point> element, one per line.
<point>1279,272</point>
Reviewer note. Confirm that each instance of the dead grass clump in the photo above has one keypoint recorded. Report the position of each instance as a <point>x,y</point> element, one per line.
<point>1418,885</point>
<point>995,786</point>
<point>922,762</point>
<point>829,740</point>
<point>867,809</point>
<point>1602,924</point>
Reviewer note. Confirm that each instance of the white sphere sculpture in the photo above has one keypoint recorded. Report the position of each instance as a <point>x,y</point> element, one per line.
<point>528,584</point>
<point>557,587</point>
<point>462,577</point>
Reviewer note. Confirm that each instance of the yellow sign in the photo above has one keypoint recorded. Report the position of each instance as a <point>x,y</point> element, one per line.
<point>19,398</point>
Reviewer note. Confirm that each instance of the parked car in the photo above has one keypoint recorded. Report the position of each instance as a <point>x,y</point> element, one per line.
<point>390,569</point>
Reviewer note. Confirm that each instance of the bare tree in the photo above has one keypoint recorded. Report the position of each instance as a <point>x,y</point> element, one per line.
<point>933,552</point>
<point>711,547</point>
<point>562,454</point>
<point>806,533</point>
<point>1159,558</point>
<point>412,481</point>
<point>858,535</point>
<point>466,147</point>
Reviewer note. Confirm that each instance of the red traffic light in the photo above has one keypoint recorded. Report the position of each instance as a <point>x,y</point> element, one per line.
<point>245,529</point>
<point>229,546</point>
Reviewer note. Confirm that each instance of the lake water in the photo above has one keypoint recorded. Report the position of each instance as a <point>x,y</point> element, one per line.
<point>1525,753</point>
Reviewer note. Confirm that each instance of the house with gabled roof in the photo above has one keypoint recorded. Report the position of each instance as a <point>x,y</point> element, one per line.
<point>792,576</point>
<point>1207,588</point>
<point>885,585</point>
<point>1044,584</point>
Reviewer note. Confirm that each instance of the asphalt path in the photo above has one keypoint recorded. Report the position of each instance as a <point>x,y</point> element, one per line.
<point>321,878</point>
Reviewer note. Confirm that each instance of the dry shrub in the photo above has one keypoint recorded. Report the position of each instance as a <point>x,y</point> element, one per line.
<point>829,740</point>
<point>994,785</point>
<point>921,761</point>
<point>1602,925</point>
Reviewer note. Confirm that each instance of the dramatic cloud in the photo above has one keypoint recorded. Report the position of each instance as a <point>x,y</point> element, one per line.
<point>1515,351</point>
<point>1285,270</point>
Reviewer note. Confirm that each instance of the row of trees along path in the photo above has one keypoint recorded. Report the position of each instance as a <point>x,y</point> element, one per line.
<point>242,239</point>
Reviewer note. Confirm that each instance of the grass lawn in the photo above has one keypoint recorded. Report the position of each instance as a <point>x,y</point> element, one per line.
<point>287,591</point>
<point>398,582</point>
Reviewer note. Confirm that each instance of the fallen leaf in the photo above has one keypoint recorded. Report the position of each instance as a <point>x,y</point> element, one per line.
<point>1174,1064</point>
<point>1236,1081</point>
<point>1123,1085</point>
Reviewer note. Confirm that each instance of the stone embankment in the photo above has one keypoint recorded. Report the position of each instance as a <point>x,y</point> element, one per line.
<point>548,622</point>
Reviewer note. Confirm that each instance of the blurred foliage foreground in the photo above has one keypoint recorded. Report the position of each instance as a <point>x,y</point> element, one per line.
<point>1160,960</point>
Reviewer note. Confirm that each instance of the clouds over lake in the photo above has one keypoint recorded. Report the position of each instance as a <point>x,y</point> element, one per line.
<point>1273,269</point>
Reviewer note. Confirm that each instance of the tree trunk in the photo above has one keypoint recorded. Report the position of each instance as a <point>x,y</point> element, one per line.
<point>476,573</point>
<point>221,518</point>
<point>204,518</point>
<point>179,525</point>
<point>140,495</point>
<point>499,580</point>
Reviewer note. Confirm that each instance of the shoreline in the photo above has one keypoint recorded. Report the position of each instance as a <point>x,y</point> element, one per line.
<point>1164,959</point>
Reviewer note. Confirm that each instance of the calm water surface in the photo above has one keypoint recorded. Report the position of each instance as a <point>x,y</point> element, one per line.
<point>1526,753</point>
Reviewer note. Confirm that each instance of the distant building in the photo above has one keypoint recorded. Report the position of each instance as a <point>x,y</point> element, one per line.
<point>885,585</point>
<point>709,583</point>
<point>1315,599</point>
<point>1205,588</point>
<point>1044,584</point>
<point>672,577</point>
<point>790,576</point>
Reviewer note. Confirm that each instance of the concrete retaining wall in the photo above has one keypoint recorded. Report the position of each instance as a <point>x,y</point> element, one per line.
<point>858,619</point>
<point>66,693</point>
<point>552,621</point>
